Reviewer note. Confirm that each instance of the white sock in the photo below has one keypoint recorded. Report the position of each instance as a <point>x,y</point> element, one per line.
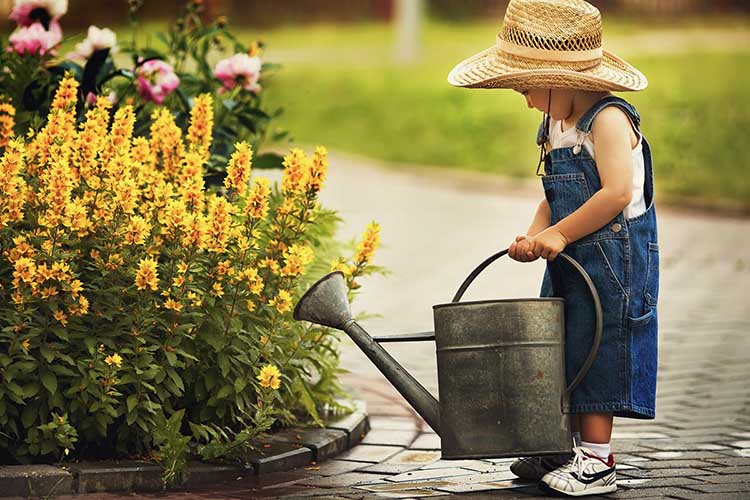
<point>602,450</point>
<point>576,439</point>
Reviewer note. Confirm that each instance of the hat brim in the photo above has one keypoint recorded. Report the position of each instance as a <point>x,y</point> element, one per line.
<point>492,68</point>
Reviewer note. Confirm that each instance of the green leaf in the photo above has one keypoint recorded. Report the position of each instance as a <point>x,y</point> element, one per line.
<point>268,161</point>
<point>171,358</point>
<point>49,381</point>
<point>303,392</point>
<point>46,352</point>
<point>28,416</point>
<point>30,390</point>
<point>176,379</point>
<point>132,401</point>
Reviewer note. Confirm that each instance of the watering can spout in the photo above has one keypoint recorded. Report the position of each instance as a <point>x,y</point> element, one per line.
<point>326,303</point>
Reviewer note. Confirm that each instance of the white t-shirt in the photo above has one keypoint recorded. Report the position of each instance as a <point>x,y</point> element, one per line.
<point>570,137</point>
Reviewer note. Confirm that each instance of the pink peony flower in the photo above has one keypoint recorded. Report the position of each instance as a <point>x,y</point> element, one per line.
<point>97,39</point>
<point>35,39</point>
<point>239,69</point>
<point>155,79</point>
<point>27,12</point>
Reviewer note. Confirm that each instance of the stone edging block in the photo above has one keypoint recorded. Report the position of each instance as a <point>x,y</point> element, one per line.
<point>286,450</point>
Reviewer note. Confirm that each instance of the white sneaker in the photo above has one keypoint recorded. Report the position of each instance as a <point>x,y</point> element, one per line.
<point>534,468</point>
<point>584,474</point>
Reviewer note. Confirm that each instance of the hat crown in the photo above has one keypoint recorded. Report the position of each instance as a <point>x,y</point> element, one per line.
<point>556,25</point>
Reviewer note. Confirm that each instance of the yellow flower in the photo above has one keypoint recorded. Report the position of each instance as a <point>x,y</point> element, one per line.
<point>270,376</point>
<point>147,275</point>
<point>61,317</point>
<point>201,125</point>
<point>341,265</point>
<point>218,290</point>
<point>114,359</point>
<point>257,202</point>
<point>238,170</point>
<point>66,94</point>
<point>317,169</point>
<point>76,287</point>
<point>295,170</point>
<point>137,231</point>
<point>7,122</point>
<point>83,305</point>
<point>173,304</point>
<point>296,258</point>
<point>282,302</point>
<point>368,245</point>
<point>25,269</point>
<point>25,344</point>
<point>250,305</point>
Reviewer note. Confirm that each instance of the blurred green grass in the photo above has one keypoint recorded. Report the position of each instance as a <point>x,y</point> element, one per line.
<point>341,87</point>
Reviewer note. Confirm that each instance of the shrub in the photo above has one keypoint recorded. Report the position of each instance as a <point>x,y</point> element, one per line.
<point>140,310</point>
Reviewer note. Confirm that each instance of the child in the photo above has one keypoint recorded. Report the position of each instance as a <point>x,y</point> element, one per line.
<point>598,208</point>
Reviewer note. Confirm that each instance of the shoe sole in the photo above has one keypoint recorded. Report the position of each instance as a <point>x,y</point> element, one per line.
<point>598,490</point>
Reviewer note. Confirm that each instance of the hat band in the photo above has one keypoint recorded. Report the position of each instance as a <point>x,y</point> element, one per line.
<point>549,55</point>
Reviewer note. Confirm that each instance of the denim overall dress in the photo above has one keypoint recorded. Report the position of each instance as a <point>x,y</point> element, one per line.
<point>622,259</point>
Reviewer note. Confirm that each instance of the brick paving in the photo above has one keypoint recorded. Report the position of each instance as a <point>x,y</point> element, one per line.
<point>434,231</point>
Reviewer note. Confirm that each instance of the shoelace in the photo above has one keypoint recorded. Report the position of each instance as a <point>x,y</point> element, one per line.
<point>580,461</point>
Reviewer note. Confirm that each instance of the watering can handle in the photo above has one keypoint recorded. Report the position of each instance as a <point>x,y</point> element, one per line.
<point>594,295</point>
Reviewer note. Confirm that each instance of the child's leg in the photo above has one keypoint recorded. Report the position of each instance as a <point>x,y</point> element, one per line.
<point>596,427</point>
<point>596,432</point>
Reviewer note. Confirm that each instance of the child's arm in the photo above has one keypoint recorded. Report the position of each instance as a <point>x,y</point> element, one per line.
<point>613,154</point>
<point>520,249</point>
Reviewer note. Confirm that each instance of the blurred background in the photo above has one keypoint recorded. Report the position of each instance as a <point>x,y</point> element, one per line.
<point>369,77</point>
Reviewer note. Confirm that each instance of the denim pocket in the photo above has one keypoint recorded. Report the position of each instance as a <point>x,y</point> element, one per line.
<point>641,320</point>
<point>565,193</point>
<point>651,290</point>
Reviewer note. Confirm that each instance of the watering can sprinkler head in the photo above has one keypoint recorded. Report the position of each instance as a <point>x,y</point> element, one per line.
<point>326,302</point>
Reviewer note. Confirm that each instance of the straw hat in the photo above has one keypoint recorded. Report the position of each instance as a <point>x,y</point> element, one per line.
<point>548,44</point>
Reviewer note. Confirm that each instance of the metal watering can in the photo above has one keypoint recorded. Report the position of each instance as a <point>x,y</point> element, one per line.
<point>501,366</point>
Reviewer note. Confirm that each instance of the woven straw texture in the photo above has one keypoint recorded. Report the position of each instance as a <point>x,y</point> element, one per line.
<point>551,26</point>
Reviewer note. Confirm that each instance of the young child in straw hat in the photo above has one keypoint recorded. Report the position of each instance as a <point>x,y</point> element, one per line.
<point>598,208</point>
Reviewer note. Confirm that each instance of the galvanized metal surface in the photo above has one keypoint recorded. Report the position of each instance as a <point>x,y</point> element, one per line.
<point>501,374</point>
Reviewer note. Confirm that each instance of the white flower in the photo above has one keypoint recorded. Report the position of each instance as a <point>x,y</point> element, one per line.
<point>97,39</point>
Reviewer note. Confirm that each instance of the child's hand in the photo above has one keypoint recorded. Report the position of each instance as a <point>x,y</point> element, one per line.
<point>549,243</point>
<point>520,249</point>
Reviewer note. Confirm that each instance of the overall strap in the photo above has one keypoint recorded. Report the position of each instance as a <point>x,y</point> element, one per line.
<point>586,121</point>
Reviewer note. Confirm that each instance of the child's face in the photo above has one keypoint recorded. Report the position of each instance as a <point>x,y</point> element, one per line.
<point>562,100</point>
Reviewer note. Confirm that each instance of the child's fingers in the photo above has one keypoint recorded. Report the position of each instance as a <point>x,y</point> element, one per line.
<point>520,237</point>
<point>512,250</point>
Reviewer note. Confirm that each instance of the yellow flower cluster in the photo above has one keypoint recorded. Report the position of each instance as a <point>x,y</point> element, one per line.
<point>114,359</point>
<point>201,125</point>
<point>147,275</point>
<point>270,376</point>
<point>303,174</point>
<point>257,201</point>
<point>369,243</point>
<point>12,184</point>
<point>282,302</point>
<point>7,122</point>
<point>296,257</point>
<point>143,204</point>
<point>238,170</point>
